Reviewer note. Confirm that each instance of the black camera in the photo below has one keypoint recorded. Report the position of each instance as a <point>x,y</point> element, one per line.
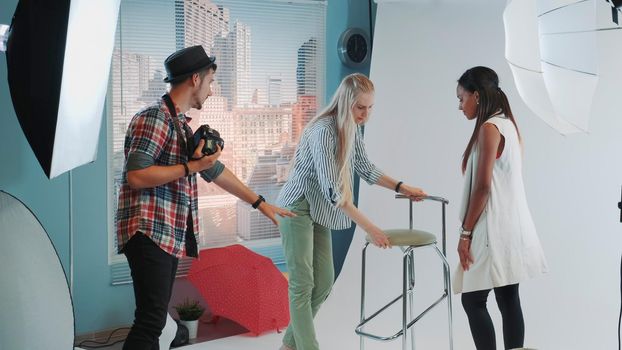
<point>211,137</point>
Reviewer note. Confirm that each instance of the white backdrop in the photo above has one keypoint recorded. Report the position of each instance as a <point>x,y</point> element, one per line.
<point>417,134</point>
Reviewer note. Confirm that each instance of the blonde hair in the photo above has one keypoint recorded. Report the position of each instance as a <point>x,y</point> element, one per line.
<point>340,108</point>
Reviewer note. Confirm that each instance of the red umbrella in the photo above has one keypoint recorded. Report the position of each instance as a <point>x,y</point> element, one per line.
<point>242,286</point>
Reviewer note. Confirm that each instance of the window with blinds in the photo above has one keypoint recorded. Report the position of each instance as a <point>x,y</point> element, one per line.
<point>269,84</point>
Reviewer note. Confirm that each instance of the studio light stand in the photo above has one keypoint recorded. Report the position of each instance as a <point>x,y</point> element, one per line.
<point>620,317</point>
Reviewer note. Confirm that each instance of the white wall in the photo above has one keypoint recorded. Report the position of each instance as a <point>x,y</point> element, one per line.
<point>417,134</point>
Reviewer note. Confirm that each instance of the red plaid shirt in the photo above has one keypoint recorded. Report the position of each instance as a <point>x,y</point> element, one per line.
<point>161,212</point>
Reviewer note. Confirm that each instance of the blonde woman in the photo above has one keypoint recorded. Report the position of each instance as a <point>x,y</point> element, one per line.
<point>319,192</point>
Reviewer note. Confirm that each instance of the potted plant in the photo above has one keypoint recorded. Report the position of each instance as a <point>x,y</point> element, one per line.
<point>189,312</point>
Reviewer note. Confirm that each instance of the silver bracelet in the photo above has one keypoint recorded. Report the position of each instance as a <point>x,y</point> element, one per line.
<point>464,232</point>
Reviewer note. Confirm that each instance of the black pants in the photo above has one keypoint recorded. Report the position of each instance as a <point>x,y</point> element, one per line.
<point>153,274</point>
<point>483,332</point>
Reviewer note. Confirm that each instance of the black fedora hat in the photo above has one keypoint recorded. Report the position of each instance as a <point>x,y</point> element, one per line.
<point>183,63</point>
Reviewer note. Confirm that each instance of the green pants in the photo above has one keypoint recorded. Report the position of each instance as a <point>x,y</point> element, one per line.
<point>309,255</point>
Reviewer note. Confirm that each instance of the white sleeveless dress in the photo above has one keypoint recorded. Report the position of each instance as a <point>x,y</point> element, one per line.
<point>505,246</point>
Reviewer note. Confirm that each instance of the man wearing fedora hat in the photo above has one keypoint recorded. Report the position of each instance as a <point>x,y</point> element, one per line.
<point>157,215</point>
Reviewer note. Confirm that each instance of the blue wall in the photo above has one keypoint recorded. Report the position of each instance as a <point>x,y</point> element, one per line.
<point>342,15</point>
<point>97,304</point>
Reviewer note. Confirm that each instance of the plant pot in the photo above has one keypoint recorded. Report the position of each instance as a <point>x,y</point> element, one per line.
<point>193,327</point>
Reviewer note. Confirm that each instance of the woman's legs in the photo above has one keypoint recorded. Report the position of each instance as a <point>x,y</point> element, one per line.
<point>508,301</point>
<point>482,329</point>
<point>323,268</point>
<point>308,252</point>
<point>481,324</point>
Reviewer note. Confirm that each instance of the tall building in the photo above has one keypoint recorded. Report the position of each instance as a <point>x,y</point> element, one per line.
<point>307,90</point>
<point>306,70</point>
<point>241,36</point>
<point>225,59</point>
<point>199,22</point>
<point>274,91</point>
<point>233,56</point>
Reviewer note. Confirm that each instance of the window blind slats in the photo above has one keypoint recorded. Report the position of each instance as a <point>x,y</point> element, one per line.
<point>269,83</point>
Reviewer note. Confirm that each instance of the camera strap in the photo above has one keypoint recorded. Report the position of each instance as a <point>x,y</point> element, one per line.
<point>184,142</point>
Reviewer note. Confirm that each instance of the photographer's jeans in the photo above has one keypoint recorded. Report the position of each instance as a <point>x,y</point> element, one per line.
<point>153,274</point>
<point>309,256</point>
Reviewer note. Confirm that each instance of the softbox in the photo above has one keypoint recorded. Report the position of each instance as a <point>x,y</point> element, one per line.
<point>58,60</point>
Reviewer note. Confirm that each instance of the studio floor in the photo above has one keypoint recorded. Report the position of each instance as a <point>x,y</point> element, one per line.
<point>225,335</point>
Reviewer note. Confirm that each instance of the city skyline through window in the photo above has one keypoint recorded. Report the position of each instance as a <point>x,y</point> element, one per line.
<point>269,84</point>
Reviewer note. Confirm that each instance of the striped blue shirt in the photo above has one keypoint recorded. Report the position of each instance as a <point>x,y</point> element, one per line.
<point>315,173</point>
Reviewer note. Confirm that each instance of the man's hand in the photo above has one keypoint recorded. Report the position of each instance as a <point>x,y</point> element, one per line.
<point>200,161</point>
<point>271,211</point>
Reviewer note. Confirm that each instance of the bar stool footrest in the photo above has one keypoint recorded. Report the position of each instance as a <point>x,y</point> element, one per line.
<point>399,333</point>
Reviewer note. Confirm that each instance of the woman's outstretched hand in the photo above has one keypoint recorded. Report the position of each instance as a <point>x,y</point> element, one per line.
<point>414,193</point>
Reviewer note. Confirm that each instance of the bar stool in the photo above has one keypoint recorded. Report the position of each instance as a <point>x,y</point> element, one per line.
<point>408,241</point>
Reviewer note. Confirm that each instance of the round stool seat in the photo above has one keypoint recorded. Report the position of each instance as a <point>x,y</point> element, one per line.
<point>405,237</point>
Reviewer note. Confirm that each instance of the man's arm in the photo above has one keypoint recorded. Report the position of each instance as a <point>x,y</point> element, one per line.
<point>230,183</point>
<point>156,175</point>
